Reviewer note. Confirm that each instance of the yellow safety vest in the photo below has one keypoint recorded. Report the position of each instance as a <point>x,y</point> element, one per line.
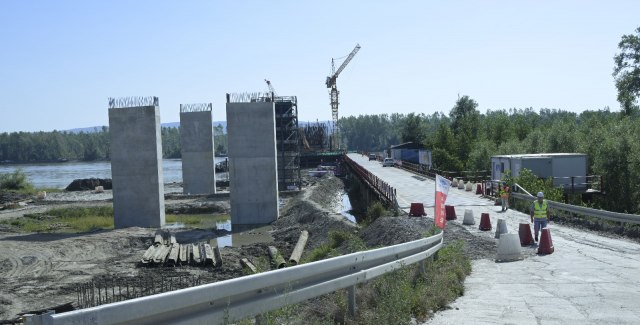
<point>540,211</point>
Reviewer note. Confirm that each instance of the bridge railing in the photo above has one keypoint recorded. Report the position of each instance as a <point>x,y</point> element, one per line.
<point>386,192</point>
<point>579,210</point>
<point>236,299</point>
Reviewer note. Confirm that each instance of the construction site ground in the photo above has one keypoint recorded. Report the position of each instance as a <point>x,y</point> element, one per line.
<point>41,270</point>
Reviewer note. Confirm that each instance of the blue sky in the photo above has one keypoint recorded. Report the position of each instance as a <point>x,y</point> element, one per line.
<point>61,60</point>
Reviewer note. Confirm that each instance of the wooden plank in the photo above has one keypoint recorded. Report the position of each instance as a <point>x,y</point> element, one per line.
<point>217,262</point>
<point>148,255</point>
<point>196,254</point>
<point>161,254</point>
<point>158,240</point>
<point>246,263</point>
<point>183,255</point>
<point>172,258</point>
<point>208,255</point>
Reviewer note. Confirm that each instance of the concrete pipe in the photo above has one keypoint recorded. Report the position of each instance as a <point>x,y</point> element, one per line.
<point>299,248</point>
<point>276,258</point>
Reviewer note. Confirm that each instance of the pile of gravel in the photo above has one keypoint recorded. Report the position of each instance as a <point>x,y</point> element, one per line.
<point>387,231</point>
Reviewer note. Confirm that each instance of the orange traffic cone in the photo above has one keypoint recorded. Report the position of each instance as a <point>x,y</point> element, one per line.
<point>485,222</point>
<point>417,210</point>
<point>525,234</point>
<point>546,245</point>
<point>450,212</point>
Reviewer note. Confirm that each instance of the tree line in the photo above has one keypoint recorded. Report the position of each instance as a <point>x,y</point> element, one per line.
<point>465,140</point>
<point>22,147</point>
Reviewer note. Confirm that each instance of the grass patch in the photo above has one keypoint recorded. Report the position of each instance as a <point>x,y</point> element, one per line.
<point>65,220</point>
<point>340,242</point>
<point>197,220</point>
<point>393,298</point>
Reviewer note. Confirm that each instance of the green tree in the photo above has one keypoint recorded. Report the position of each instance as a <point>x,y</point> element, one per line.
<point>626,72</point>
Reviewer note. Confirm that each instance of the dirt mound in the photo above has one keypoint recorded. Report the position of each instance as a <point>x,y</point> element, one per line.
<point>86,184</point>
<point>312,211</point>
<point>387,231</point>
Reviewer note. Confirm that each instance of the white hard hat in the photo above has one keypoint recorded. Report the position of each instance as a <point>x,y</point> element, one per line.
<point>540,194</point>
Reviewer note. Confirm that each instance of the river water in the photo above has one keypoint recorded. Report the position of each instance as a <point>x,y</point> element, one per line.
<point>59,175</point>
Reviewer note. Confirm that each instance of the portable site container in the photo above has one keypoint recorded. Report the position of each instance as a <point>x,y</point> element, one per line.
<point>568,170</point>
<point>412,153</point>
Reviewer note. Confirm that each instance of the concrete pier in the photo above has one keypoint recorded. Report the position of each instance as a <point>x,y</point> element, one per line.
<point>196,138</point>
<point>252,162</point>
<point>136,162</point>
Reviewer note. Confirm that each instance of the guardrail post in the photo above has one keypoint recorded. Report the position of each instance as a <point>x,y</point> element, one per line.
<point>423,268</point>
<point>351,300</point>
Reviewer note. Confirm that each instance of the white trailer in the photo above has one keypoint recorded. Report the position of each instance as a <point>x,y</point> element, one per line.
<point>567,169</point>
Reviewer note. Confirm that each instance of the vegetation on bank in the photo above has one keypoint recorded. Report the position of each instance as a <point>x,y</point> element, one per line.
<point>63,220</point>
<point>85,219</point>
<point>394,298</point>
<point>88,146</point>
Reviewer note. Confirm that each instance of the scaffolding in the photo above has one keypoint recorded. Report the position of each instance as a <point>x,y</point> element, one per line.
<point>287,143</point>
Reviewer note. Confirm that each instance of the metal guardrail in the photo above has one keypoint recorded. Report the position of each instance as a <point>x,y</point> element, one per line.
<point>384,190</point>
<point>240,298</point>
<point>602,214</point>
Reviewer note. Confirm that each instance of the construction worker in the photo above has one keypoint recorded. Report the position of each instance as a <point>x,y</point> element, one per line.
<point>504,196</point>
<point>539,214</point>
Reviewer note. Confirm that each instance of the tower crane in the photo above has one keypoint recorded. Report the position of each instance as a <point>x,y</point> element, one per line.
<point>271,89</point>
<point>331,83</point>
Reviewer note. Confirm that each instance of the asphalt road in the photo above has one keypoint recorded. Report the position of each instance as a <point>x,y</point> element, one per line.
<point>589,279</point>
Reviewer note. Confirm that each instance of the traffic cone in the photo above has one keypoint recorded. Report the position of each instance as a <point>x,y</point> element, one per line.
<point>478,188</point>
<point>450,212</point>
<point>417,210</point>
<point>501,228</point>
<point>524,232</point>
<point>546,245</point>
<point>485,222</point>
<point>468,218</point>
<point>508,248</point>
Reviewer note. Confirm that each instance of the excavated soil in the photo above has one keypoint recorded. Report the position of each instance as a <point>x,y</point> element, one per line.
<point>40,270</point>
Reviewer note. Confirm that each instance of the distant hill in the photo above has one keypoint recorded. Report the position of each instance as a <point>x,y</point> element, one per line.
<point>92,129</point>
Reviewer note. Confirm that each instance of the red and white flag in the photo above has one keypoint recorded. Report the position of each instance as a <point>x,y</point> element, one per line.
<point>442,189</point>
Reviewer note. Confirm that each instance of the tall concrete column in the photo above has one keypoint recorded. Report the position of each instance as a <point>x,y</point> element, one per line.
<point>252,162</point>
<point>136,162</point>
<point>196,138</point>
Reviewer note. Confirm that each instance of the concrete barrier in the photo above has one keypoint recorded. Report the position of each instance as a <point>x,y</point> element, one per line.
<point>468,218</point>
<point>468,186</point>
<point>546,244</point>
<point>454,182</point>
<point>450,212</point>
<point>524,232</point>
<point>501,228</point>
<point>509,248</point>
<point>485,222</point>
<point>461,185</point>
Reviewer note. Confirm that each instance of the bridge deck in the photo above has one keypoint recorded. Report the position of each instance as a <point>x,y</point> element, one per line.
<point>589,279</point>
